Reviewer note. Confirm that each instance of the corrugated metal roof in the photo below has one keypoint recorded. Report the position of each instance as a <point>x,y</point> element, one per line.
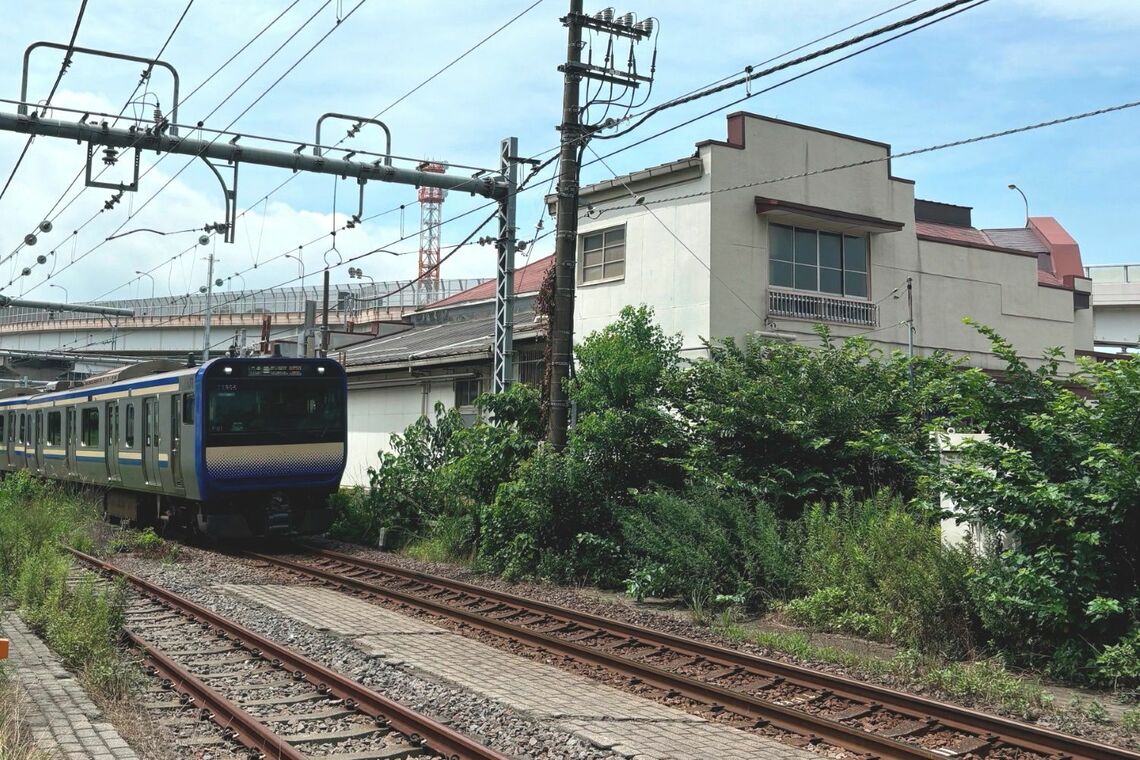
<point>527,279</point>
<point>459,338</point>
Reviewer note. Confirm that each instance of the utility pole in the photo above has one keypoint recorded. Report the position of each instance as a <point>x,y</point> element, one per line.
<point>566,235</point>
<point>209,299</point>
<point>910,327</point>
<point>325,319</point>
<point>573,137</point>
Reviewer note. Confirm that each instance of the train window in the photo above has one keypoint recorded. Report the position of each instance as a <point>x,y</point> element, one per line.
<point>23,428</point>
<point>89,426</point>
<point>2,438</point>
<point>188,409</point>
<point>54,429</point>
<point>129,438</point>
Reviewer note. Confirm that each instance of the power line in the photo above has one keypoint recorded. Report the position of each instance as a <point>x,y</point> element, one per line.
<point>459,58</point>
<point>58,78</point>
<point>145,76</point>
<point>797,77</point>
<point>750,75</point>
<point>880,159</point>
<point>523,187</point>
<point>169,181</point>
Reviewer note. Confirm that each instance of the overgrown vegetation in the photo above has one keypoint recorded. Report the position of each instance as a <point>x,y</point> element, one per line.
<point>80,620</point>
<point>805,481</point>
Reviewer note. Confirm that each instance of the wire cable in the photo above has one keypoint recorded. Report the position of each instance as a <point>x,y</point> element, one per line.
<point>55,85</point>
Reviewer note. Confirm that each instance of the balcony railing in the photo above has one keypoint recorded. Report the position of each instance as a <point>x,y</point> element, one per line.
<point>820,308</point>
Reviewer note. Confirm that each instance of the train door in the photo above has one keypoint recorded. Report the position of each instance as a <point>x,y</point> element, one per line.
<point>70,441</point>
<point>176,442</point>
<point>111,438</point>
<point>38,432</point>
<point>150,441</point>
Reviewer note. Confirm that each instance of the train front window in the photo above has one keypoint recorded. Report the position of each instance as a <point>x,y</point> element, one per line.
<point>275,407</point>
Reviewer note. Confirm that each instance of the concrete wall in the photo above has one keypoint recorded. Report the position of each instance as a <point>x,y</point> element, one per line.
<point>376,414</point>
<point>665,271</point>
<point>1116,311</point>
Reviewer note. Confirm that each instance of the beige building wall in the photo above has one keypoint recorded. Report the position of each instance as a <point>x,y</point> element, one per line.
<point>950,282</point>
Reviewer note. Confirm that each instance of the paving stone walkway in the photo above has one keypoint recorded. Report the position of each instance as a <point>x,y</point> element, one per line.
<point>606,717</point>
<point>63,720</point>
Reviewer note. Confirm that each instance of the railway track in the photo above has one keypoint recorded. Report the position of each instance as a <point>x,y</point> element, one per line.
<point>816,706</point>
<point>266,697</point>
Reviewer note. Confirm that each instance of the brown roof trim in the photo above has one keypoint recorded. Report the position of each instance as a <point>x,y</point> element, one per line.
<point>980,246</point>
<point>1055,287</point>
<point>797,125</point>
<point>769,205</point>
<point>901,179</point>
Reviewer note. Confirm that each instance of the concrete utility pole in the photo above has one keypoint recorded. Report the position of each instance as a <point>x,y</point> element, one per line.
<point>573,137</point>
<point>566,235</point>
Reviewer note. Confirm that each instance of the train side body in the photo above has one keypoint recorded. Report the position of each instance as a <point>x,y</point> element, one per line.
<point>235,447</point>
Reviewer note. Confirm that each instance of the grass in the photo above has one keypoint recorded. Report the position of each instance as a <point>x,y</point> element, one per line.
<point>978,682</point>
<point>16,741</point>
<point>145,543</point>
<point>81,621</point>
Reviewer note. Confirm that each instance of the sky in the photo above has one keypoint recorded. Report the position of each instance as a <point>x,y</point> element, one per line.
<point>1004,64</point>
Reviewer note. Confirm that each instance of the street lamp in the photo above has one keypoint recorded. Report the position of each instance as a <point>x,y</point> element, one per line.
<point>65,298</point>
<point>1024,199</point>
<point>150,277</point>
<point>301,264</point>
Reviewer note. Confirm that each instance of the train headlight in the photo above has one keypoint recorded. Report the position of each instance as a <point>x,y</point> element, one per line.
<point>228,370</point>
<point>320,370</point>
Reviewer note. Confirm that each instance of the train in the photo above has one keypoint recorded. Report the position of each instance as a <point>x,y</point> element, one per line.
<point>235,447</point>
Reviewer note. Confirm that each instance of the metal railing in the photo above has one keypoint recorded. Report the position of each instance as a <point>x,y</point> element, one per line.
<point>344,297</point>
<point>1113,273</point>
<point>820,308</point>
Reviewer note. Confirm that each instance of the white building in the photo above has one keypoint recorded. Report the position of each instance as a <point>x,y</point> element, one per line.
<point>1116,307</point>
<point>439,354</point>
<point>720,246</point>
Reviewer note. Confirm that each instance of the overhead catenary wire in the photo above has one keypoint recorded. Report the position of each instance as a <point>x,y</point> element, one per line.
<point>523,187</point>
<point>144,77</point>
<point>55,85</point>
<point>170,180</point>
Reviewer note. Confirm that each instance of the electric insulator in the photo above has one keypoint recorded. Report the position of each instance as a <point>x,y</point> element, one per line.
<point>110,156</point>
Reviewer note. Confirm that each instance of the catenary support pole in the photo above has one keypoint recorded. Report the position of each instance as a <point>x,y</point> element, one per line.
<point>566,235</point>
<point>910,327</point>
<point>206,317</point>
<point>505,269</point>
<point>325,319</point>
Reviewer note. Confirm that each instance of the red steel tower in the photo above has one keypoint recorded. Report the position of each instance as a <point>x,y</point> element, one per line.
<point>431,208</point>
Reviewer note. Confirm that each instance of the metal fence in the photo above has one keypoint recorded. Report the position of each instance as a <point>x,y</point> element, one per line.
<point>786,303</point>
<point>351,296</point>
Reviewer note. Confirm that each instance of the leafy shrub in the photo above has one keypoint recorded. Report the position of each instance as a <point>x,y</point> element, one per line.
<point>797,424</point>
<point>706,543</point>
<point>875,567</point>
<point>1060,476</point>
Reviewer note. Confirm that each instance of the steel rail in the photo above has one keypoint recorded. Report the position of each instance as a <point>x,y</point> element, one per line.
<point>1005,730</point>
<point>435,735</point>
<point>243,727</point>
<point>765,712</point>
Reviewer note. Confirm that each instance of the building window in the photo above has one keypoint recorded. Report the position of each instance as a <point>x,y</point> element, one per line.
<point>603,255</point>
<point>466,391</point>
<point>89,427</point>
<point>824,262</point>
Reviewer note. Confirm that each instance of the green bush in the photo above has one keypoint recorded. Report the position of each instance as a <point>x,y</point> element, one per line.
<point>876,568</point>
<point>704,543</point>
<point>1060,479</point>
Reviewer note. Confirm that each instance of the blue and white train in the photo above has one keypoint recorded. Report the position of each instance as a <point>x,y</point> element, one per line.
<point>235,447</point>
